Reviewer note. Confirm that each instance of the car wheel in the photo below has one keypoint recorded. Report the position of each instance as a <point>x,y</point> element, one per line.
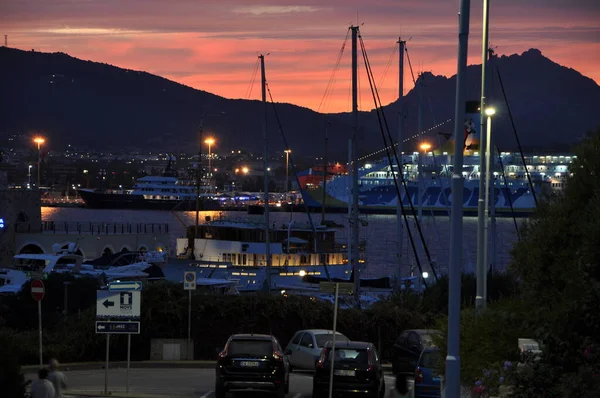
<point>220,391</point>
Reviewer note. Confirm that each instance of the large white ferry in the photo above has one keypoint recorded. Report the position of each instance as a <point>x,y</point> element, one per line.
<point>512,193</point>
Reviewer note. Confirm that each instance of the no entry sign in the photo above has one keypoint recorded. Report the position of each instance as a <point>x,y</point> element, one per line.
<point>37,289</point>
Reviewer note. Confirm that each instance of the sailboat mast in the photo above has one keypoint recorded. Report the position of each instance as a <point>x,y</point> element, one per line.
<point>324,197</point>
<point>354,216</point>
<point>456,217</point>
<point>266,171</point>
<point>198,181</point>
<point>480,300</point>
<point>399,224</point>
<point>420,151</point>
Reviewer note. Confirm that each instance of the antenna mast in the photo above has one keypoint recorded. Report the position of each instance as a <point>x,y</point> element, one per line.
<point>399,225</point>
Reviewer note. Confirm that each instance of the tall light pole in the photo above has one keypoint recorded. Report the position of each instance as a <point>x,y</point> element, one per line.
<point>489,112</point>
<point>39,141</point>
<point>456,215</point>
<point>483,172</point>
<point>29,176</point>
<point>424,147</point>
<point>287,162</point>
<point>209,142</point>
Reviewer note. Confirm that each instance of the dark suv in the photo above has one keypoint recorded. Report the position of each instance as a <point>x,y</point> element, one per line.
<point>356,370</point>
<point>408,348</point>
<point>252,361</point>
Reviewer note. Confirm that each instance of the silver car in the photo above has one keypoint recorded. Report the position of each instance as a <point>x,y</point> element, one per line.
<point>306,345</point>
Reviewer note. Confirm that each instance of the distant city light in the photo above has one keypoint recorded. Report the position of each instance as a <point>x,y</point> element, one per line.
<point>425,146</point>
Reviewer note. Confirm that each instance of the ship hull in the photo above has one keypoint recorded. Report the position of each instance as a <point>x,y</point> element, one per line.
<point>103,200</point>
<point>435,200</point>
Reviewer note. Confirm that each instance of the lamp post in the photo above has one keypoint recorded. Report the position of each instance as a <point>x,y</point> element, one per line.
<point>489,112</point>
<point>209,142</point>
<point>39,141</point>
<point>29,176</point>
<point>287,162</point>
<point>424,147</point>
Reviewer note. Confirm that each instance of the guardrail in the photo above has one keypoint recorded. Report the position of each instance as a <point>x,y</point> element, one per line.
<point>95,228</point>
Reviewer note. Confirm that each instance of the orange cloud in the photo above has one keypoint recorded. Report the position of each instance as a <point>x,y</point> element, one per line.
<point>213,45</point>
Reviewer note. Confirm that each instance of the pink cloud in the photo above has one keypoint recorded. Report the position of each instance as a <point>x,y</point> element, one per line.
<point>212,45</point>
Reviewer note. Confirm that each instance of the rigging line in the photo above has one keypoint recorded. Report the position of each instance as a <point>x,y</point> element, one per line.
<point>410,66</point>
<point>291,159</point>
<point>331,82</point>
<point>252,79</point>
<point>380,114</point>
<point>387,66</point>
<point>509,196</point>
<point>512,121</point>
<point>378,100</point>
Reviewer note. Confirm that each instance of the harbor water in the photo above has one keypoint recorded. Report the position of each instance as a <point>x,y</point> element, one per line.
<point>377,231</point>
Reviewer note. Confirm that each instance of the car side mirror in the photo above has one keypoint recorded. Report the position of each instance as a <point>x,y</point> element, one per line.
<point>287,351</point>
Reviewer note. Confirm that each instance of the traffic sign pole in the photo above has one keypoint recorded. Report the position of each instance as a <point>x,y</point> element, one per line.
<point>106,366</point>
<point>128,363</point>
<point>335,311</point>
<point>40,331</point>
<point>189,284</point>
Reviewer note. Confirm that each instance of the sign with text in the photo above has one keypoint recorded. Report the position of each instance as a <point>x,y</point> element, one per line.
<point>343,287</point>
<point>117,327</point>
<point>124,305</point>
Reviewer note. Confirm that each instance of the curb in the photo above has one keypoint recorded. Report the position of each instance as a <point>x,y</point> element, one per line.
<point>133,365</point>
<point>113,394</point>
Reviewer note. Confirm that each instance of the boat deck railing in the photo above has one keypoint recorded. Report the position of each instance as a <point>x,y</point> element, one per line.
<point>93,228</point>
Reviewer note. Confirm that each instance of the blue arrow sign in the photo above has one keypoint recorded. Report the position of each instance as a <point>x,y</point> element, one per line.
<point>125,286</point>
<point>117,327</point>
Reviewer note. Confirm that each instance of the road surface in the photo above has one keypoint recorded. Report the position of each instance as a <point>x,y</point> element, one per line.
<point>165,383</point>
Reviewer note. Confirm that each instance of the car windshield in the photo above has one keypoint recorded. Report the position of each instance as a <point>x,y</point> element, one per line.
<point>259,348</point>
<point>430,359</point>
<point>358,356</point>
<point>324,338</point>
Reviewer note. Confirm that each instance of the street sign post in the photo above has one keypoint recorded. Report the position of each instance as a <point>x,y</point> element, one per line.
<point>335,288</point>
<point>122,300</point>
<point>38,290</point>
<point>189,284</point>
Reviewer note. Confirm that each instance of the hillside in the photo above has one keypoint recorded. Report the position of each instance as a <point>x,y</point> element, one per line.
<point>98,105</point>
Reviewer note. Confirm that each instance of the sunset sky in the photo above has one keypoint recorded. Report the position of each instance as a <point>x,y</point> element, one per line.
<point>212,45</point>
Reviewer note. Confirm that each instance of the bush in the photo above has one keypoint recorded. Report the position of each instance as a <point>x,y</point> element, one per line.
<point>12,379</point>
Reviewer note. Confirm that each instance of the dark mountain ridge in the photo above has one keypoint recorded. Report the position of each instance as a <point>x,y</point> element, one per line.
<point>87,103</point>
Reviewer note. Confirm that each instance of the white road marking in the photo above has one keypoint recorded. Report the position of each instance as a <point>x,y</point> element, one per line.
<point>297,395</point>
<point>206,395</point>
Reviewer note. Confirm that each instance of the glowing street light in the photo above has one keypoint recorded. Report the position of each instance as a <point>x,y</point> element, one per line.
<point>287,162</point>
<point>490,111</point>
<point>245,170</point>
<point>425,146</point>
<point>39,141</point>
<point>209,142</point>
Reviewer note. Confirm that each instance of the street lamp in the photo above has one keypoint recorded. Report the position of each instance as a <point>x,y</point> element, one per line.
<point>245,170</point>
<point>424,147</point>
<point>287,160</point>
<point>39,141</point>
<point>209,142</point>
<point>488,171</point>
<point>29,176</point>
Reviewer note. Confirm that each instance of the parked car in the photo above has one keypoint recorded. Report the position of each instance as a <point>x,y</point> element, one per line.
<point>252,361</point>
<point>408,347</point>
<point>428,381</point>
<point>306,345</point>
<point>357,370</point>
